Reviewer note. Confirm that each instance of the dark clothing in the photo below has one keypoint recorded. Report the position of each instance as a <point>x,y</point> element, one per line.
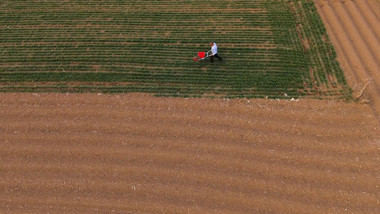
<point>216,55</point>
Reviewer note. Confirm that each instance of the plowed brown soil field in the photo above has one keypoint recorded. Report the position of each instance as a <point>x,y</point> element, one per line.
<point>134,153</point>
<point>354,28</point>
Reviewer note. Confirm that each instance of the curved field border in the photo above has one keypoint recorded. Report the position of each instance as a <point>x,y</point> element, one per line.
<point>354,28</point>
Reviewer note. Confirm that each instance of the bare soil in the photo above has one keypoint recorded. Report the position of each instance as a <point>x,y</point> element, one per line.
<point>354,28</point>
<point>134,153</point>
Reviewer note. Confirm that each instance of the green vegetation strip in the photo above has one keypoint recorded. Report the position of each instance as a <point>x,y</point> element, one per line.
<point>271,48</point>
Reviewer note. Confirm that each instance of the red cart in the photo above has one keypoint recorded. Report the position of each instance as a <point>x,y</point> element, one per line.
<point>202,56</point>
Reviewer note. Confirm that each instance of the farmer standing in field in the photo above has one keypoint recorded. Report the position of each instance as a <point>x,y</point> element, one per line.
<point>214,52</point>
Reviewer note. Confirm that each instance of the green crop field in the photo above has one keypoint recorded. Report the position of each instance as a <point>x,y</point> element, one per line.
<point>270,48</point>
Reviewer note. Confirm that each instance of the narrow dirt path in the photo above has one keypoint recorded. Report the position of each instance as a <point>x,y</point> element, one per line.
<point>140,154</point>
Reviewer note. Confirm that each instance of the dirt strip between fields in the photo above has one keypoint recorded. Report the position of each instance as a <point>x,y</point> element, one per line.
<point>134,153</point>
<point>354,28</point>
